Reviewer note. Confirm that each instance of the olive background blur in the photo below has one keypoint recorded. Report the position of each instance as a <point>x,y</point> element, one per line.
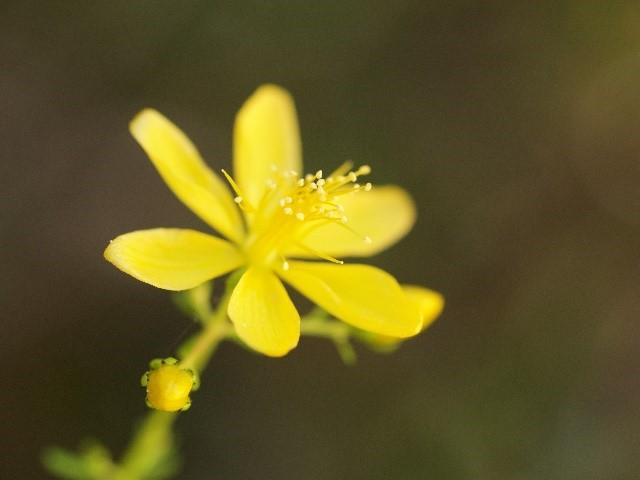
<point>515,125</point>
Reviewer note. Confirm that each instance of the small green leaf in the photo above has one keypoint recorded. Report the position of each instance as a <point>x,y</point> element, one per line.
<point>65,464</point>
<point>92,462</point>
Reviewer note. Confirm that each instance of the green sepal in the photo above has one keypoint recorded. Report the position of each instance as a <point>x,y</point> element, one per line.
<point>196,380</point>
<point>375,342</point>
<point>196,302</point>
<point>155,363</point>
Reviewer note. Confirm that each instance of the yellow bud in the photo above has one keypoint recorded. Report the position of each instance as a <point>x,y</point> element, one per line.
<point>168,388</point>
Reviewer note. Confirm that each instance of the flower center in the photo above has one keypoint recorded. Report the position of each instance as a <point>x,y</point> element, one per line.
<point>293,206</point>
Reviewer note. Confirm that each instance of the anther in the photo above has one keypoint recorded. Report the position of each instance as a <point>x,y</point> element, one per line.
<point>319,174</point>
<point>367,186</point>
<point>364,170</point>
<point>288,211</point>
<point>301,182</point>
<point>320,182</point>
<point>238,199</point>
<point>285,265</point>
<point>352,176</point>
<point>300,216</point>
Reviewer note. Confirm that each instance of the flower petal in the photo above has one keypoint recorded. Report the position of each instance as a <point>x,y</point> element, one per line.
<point>384,214</point>
<point>186,174</point>
<point>263,314</point>
<point>363,296</point>
<point>429,302</point>
<point>172,258</point>
<point>265,135</point>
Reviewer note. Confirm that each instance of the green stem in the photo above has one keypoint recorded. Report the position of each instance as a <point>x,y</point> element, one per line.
<point>319,326</point>
<point>150,447</point>
<point>215,331</point>
<point>152,444</point>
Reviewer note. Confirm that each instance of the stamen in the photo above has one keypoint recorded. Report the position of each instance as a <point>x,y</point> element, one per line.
<point>311,200</point>
<point>342,169</point>
<point>365,238</point>
<point>319,254</point>
<point>239,199</point>
<point>364,170</point>
<point>232,182</point>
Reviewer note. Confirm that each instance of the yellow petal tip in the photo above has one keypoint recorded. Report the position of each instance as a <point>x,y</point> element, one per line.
<point>271,89</point>
<point>141,120</point>
<point>429,302</point>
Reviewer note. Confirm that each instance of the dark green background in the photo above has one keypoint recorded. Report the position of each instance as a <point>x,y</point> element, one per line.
<point>516,126</point>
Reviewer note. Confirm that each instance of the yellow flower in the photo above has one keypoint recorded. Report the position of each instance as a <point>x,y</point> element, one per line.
<point>277,218</point>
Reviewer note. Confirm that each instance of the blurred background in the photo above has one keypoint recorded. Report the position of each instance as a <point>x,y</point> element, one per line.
<point>514,124</point>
